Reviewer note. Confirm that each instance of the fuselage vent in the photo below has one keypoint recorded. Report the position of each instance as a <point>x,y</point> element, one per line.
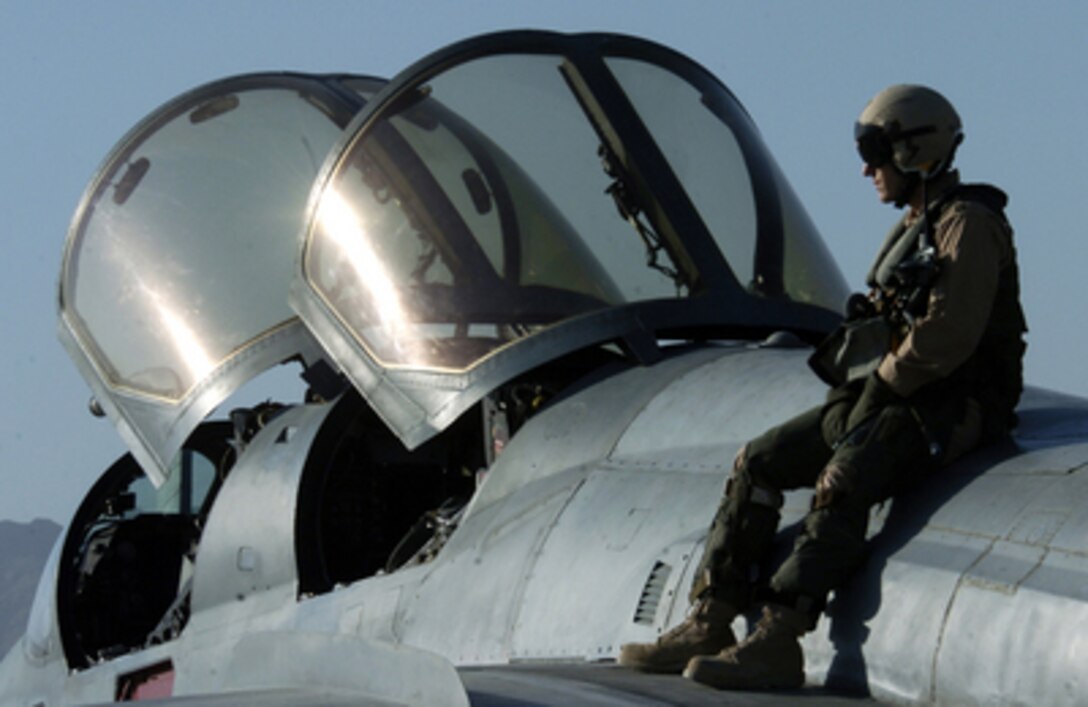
<point>651,594</point>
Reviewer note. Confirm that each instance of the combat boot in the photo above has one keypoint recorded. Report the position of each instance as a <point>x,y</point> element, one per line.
<point>769,659</point>
<point>705,631</point>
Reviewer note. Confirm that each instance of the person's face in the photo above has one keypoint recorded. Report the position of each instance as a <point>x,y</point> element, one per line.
<point>888,181</point>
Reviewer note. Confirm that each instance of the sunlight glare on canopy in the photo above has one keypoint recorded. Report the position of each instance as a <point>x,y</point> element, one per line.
<point>163,312</point>
<point>185,340</point>
<point>342,224</point>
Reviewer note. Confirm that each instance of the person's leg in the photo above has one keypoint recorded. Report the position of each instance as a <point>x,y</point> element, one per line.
<point>741,534</point>
<point>888,457</point>
<point>872,465</point>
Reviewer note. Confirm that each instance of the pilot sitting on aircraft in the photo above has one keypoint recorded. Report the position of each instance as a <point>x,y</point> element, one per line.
<point>946,378</point>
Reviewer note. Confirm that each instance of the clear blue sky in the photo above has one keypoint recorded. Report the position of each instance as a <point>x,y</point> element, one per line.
<point>77,76</point>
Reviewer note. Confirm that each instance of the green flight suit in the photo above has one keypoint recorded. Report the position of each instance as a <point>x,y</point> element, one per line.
<point>950,384</point>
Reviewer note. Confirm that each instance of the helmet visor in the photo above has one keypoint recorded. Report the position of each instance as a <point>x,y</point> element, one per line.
<point>873,145</point>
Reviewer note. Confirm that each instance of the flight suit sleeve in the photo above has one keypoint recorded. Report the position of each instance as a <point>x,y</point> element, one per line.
<point>971,248</point>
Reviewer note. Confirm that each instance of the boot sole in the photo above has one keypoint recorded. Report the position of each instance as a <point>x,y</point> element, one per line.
<point>712,672</point>
<point>654,669</point>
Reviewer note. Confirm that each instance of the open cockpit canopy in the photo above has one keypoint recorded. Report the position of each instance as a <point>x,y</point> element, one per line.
<point>519,196</point>
<point>499,204</point>
<point>174,281</point>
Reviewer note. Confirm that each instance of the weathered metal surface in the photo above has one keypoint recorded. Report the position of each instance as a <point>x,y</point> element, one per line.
<point>248,546</point>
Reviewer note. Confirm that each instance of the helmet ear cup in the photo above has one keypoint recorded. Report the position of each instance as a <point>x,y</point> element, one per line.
<point>951,154</point>
<point>920,125</point>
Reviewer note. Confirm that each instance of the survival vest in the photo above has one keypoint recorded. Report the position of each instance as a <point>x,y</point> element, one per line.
<point>904,270</point>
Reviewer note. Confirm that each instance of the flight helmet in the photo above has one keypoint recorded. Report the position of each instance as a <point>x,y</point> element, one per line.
<point>913,127</point>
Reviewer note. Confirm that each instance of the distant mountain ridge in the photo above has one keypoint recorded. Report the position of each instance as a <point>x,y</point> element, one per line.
<point>24,548</point>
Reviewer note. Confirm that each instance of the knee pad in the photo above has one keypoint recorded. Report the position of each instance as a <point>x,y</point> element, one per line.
<point>742,489</point>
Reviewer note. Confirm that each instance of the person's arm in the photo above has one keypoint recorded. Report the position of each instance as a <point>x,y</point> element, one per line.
<point>971,246</point>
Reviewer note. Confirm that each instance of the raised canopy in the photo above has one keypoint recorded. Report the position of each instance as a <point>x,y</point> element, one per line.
<point>174,285</point>
<point>522,195</point>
